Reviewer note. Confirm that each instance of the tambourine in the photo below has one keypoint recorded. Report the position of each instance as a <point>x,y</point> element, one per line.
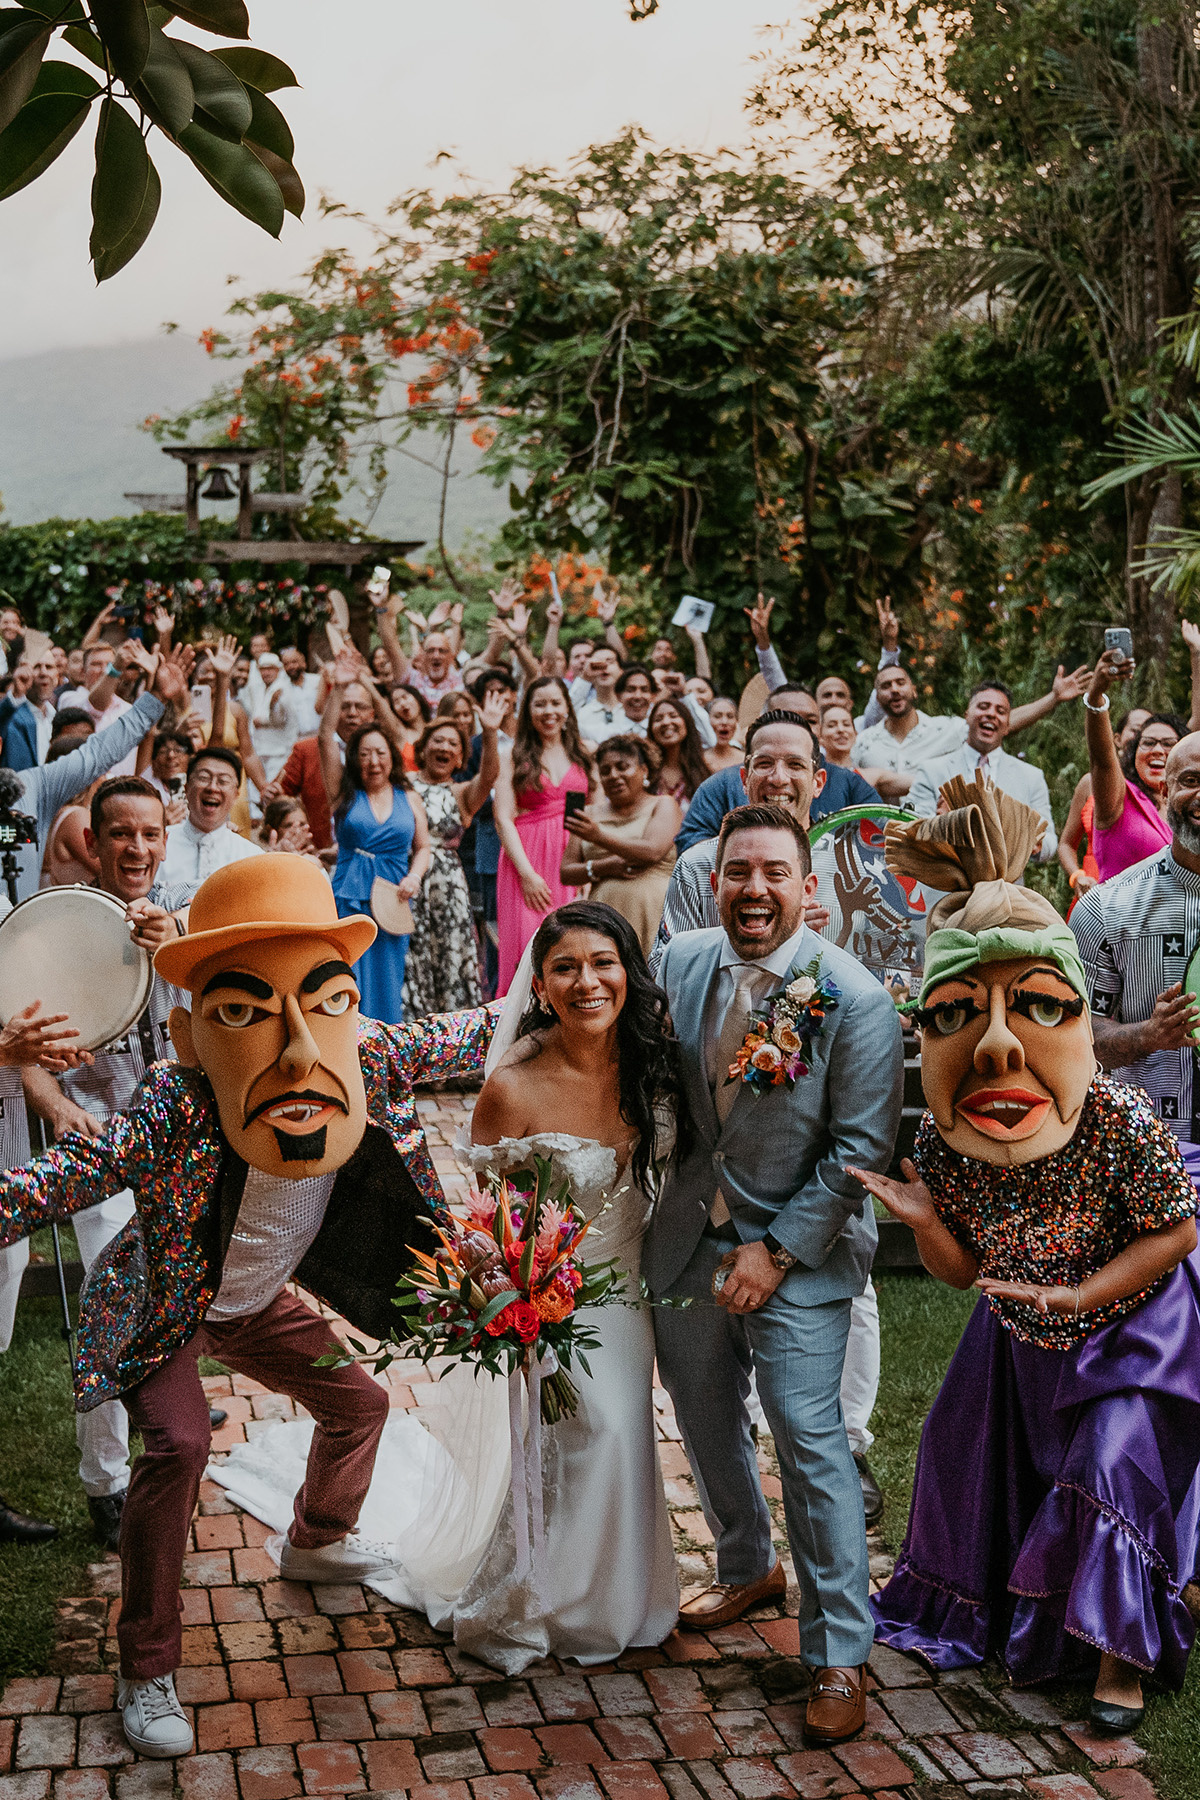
<point>877,916</point>
<point>70,948</point>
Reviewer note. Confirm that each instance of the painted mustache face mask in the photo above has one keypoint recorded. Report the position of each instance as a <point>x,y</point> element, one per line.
<point>274,1026</point>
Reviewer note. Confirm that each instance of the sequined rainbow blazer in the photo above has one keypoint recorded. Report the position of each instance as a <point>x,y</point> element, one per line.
<point>149,1292</point>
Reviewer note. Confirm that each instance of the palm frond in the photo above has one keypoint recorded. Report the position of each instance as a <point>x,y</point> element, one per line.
<point>1147,445</point>
<point>1174,564</point>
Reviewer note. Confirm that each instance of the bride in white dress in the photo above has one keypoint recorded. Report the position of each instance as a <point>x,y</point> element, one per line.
<point>593,1056</point>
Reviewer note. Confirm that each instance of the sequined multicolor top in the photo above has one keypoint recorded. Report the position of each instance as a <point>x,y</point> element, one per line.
<point>150,1290</point>
<point>1056,1221</point>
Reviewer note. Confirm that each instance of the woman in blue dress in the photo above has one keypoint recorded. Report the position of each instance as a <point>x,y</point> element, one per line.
<point>382,833</point>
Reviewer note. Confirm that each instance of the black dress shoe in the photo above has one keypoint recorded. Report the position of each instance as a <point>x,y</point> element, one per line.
<point>16,1528</point>
<point>871,1495</point>
<point>1111,1720</point>
<point>107,1511</point>
<point>216,1417</point>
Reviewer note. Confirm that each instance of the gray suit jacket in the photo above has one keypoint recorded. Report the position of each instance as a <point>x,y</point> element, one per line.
<point>779,1157</point>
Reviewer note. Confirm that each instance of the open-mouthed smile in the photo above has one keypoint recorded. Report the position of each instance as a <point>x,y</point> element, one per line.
<point>1006,1114</point>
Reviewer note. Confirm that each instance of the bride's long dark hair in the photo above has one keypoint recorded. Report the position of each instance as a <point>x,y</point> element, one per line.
<point>648,1069</point>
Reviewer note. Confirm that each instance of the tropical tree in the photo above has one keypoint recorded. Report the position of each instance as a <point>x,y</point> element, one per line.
<point>214,106</point>
<point>1037,162</point>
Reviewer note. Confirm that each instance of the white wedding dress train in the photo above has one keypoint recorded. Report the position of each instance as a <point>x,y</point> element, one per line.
<point>440,1494</point>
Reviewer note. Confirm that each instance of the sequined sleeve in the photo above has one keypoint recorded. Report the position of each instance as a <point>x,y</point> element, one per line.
<point>81,1171</point>
<point>446,1044</point>
<point>940,1171</point>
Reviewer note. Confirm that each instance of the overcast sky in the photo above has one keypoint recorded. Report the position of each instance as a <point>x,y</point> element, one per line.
<point>387,84</point>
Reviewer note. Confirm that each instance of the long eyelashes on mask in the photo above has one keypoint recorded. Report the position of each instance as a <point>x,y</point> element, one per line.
<point>948,1016</point>
<point>1045,1009</point>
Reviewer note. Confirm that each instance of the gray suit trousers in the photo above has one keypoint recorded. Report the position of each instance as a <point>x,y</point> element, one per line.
<point>705,1357</point>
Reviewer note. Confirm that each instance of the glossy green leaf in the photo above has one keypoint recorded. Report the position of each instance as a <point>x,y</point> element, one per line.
<point>284,173</point>
<point>269,128</point>
<point>109,262</point>
<point>237,175</point>
<point>62,12</point>
<point>257,68</point>
<point>220,96</point>
<point>122,173</point>
<point>24,39</point>
<point>165,89</point>
<point>225,18</point>
<point>45,125</point>
<point>125,29</point>
<point>84,39</point>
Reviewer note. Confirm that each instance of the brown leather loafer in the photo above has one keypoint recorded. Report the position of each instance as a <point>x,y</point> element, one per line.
<point>837,1706</point>
<point>724,1602</point>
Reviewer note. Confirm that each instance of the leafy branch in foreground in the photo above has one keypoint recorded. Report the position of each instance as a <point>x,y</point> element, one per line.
<point>214,106</point>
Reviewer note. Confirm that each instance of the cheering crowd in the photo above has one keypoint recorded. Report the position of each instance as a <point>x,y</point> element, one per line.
<point>461,799</point>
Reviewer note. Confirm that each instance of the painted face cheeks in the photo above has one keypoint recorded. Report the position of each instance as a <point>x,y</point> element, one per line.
<point>1006,1060</point>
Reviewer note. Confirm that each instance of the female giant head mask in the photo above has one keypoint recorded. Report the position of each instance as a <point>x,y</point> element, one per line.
<point>1006,1035</point>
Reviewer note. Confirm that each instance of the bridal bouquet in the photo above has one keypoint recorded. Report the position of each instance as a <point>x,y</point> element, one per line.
<point>507,1287</point>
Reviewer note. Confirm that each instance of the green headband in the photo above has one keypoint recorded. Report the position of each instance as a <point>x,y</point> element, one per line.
<point>950,952</point>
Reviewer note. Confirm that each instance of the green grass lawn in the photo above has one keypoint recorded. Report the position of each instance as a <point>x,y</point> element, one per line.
<point>921,1322</point>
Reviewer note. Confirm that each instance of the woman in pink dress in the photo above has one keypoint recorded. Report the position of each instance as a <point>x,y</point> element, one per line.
<point>1129,788</point>
<point>546,763</point>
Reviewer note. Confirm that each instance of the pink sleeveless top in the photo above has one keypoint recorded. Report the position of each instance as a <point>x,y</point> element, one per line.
<point>1138,833</point>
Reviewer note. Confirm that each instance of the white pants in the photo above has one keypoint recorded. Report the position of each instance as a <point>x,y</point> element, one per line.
<point>860,1374</point>
<point>103,1433</point>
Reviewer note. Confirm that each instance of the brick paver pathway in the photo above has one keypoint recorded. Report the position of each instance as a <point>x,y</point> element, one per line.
<point>298,1691</point>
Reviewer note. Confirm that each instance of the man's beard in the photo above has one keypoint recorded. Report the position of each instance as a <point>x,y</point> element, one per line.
<point>1185,831</point>
<point>310,1147</point>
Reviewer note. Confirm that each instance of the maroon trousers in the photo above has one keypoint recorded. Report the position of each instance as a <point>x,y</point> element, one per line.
<point>278,1347</point>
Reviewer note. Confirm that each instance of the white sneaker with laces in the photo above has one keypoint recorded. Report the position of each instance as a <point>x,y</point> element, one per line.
<point>155,1723</point>
<point>351,1558</point>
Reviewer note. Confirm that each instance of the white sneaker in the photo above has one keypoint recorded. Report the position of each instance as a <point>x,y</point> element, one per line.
<point>154,1721</point>
<point>351,1558</point>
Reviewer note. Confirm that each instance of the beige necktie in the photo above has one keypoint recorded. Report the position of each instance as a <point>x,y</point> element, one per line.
<point>733,1031</point>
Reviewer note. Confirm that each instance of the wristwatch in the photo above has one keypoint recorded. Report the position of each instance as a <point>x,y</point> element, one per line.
<point>783,1259</point>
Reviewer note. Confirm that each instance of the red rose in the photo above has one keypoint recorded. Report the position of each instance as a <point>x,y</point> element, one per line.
<point>519,1318</point>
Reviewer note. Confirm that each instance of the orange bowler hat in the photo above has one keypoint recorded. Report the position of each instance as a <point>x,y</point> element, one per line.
<point>276,895</point>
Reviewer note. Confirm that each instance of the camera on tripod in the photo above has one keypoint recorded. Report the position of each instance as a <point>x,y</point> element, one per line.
<point>16,829</point>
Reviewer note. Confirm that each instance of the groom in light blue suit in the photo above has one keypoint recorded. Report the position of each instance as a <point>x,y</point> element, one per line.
<point>760,1198</point>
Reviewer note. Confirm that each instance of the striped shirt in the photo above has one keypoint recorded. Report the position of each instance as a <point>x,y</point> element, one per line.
<point>1136,934</point>
<point>690,903</point>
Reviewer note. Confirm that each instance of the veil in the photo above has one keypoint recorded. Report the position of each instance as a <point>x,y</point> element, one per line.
<point>515,1006</point>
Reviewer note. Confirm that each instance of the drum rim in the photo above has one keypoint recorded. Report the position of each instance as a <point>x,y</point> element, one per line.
<point>146,983</point>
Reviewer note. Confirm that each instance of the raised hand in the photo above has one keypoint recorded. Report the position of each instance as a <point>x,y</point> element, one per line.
<point>520,618</point>
<point>296,838</point>
<point>347,667</point>
<point>491,716</point>
<point>164,622</point>
<point>554,612</point>
<point>438,616</point>
<point>174,674</point>
<point>509,593</point>
<point>760,621</point>
<point>1191,636</point>
<point>606,604</point>
<point>889,624</point>
<point>909,1200</point>
<point>132,651</point>
<point>1072,686</point>
<point>224,654</point>
<point>1112,666</point>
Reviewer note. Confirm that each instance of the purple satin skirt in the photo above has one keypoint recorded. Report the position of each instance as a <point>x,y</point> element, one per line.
<point>1056,1505</point>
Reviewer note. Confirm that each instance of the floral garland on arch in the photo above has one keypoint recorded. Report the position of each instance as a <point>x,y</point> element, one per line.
<point>776,1049</point>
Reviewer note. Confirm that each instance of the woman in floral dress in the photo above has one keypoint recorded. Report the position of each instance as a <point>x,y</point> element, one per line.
<point>442,974</point>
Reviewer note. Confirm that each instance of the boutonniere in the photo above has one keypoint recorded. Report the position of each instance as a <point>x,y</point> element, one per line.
<point>776,1048</point>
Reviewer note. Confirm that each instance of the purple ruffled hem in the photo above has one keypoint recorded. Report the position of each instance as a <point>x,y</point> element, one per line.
<point>1076,1555</point>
